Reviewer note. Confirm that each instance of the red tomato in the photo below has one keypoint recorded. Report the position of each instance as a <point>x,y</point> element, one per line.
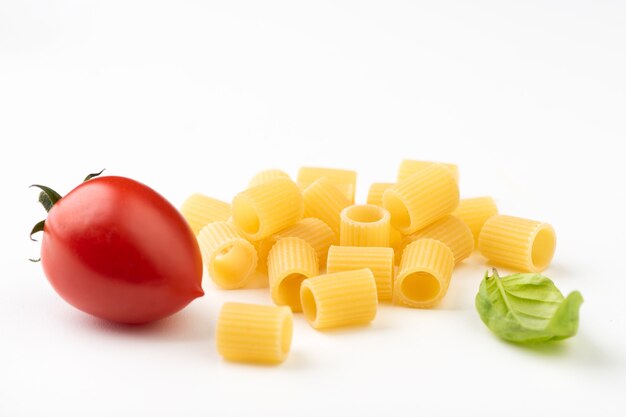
<point>118,250</point>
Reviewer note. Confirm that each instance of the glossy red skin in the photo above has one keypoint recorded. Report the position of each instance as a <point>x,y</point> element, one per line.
<point>118,250</point>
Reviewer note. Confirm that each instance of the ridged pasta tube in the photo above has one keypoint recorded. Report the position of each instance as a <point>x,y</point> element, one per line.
<point>422,198</point>
<point>322,199</point>
<point>364,225</point>
<point>474,212</point>
<point>317,233</point>
<point>424,274</point>
<point>378,260</point>
<point>229,258</point>
<point>376,191</point>
<point>517,243</point>
<point>267,208</point>
<point>267,175</point>
<point>289,263</point>
<point>254,333</point>
<point>340,299</point>
<point>450,230</point>
<point>200,210</point>
<point>409,167</point>
<point>343,179</point>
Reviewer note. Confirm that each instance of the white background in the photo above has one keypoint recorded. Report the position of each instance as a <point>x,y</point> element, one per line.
<point>528,97</point>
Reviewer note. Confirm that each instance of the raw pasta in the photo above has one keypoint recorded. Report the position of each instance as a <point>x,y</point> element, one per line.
<point>339,299</point>
<point>291,261</point>
<point>422,198</point>
<point>409,167</point>
<point>364,225</point>
<point>254,333</point>
<point>317,233</point>
<point>323,200</point>
<point>424,274</point>
<point>200,210</point>
<point>230,259</point>
<point>450,230</point>
<point>474,212</point>
<point>517,243</point>
<point>265,176</point>
<point>267,208</point>
<point>343,179</point>
<point>376,191</point>
<point>378,260</point>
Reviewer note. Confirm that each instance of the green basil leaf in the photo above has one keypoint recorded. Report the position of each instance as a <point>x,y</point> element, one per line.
<point>527,308</point>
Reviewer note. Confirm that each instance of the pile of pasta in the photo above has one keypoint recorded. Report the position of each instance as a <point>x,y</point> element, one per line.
<point>321,254</point>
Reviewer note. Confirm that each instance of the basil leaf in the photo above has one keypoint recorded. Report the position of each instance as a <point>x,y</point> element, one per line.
<point>527,308</point>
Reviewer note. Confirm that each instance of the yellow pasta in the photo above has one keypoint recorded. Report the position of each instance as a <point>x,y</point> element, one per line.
<point>450,230</point>
<point>200,210</point>
<point>317,233</point>
<point>378,260</point>
<point>375,194</point>
<point>409,167</point>
<point>291,261</point>
<point>364,225</point>
<point>265,176</point>
<point>339,299</point>
<point>267,208</point>
<point>424,274</point>
<point>474,212</point>
<point>395,241</point>
<point>230,259</point>
<point>254,333</point>
<point>343,179</point>
<point>322,199</point>
<point>422,198</point>
<point>517,243</point>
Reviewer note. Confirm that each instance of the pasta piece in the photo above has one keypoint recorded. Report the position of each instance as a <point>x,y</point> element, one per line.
<point>323,200</point>
<point>375,194</point>
<point>267,208</point>
<point>422,198</point>
<point>409,167</point>
<point>474,212</point>
<point>200,210</point>
<point>254,333</point>
<point>344,180</point>
<point>450,230</point>
<point>265,176</point>
<point>377,260</point>
<point>228,256</point>
<point>314,231</point>
<point>339,299</point>
<point>517,243</point>
<point>395,242</point>
<point>291,261</point>
<point>424,274</point>
<point>364,225</point>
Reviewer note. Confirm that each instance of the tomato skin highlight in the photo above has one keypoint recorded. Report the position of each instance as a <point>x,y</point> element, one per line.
<point>116,249</point>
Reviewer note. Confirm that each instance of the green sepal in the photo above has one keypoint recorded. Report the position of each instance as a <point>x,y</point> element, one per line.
<point>38,228</point>
<point>90,176</point>
<point>51,196</point>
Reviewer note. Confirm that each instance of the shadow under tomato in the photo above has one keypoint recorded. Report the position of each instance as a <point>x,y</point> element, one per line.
<point>186,325</point>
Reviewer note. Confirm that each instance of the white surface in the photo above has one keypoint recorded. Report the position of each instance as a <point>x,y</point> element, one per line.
<point>528,97</point>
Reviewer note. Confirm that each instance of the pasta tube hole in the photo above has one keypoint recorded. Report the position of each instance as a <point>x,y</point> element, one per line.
<point>233,262</point>
<point>543,248</point>
<point>400,217</point>
<point>289,290</point>
<point>365,213</point>
<point>420,286</point>
<point>245,216</point>
<point>309,306</point>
